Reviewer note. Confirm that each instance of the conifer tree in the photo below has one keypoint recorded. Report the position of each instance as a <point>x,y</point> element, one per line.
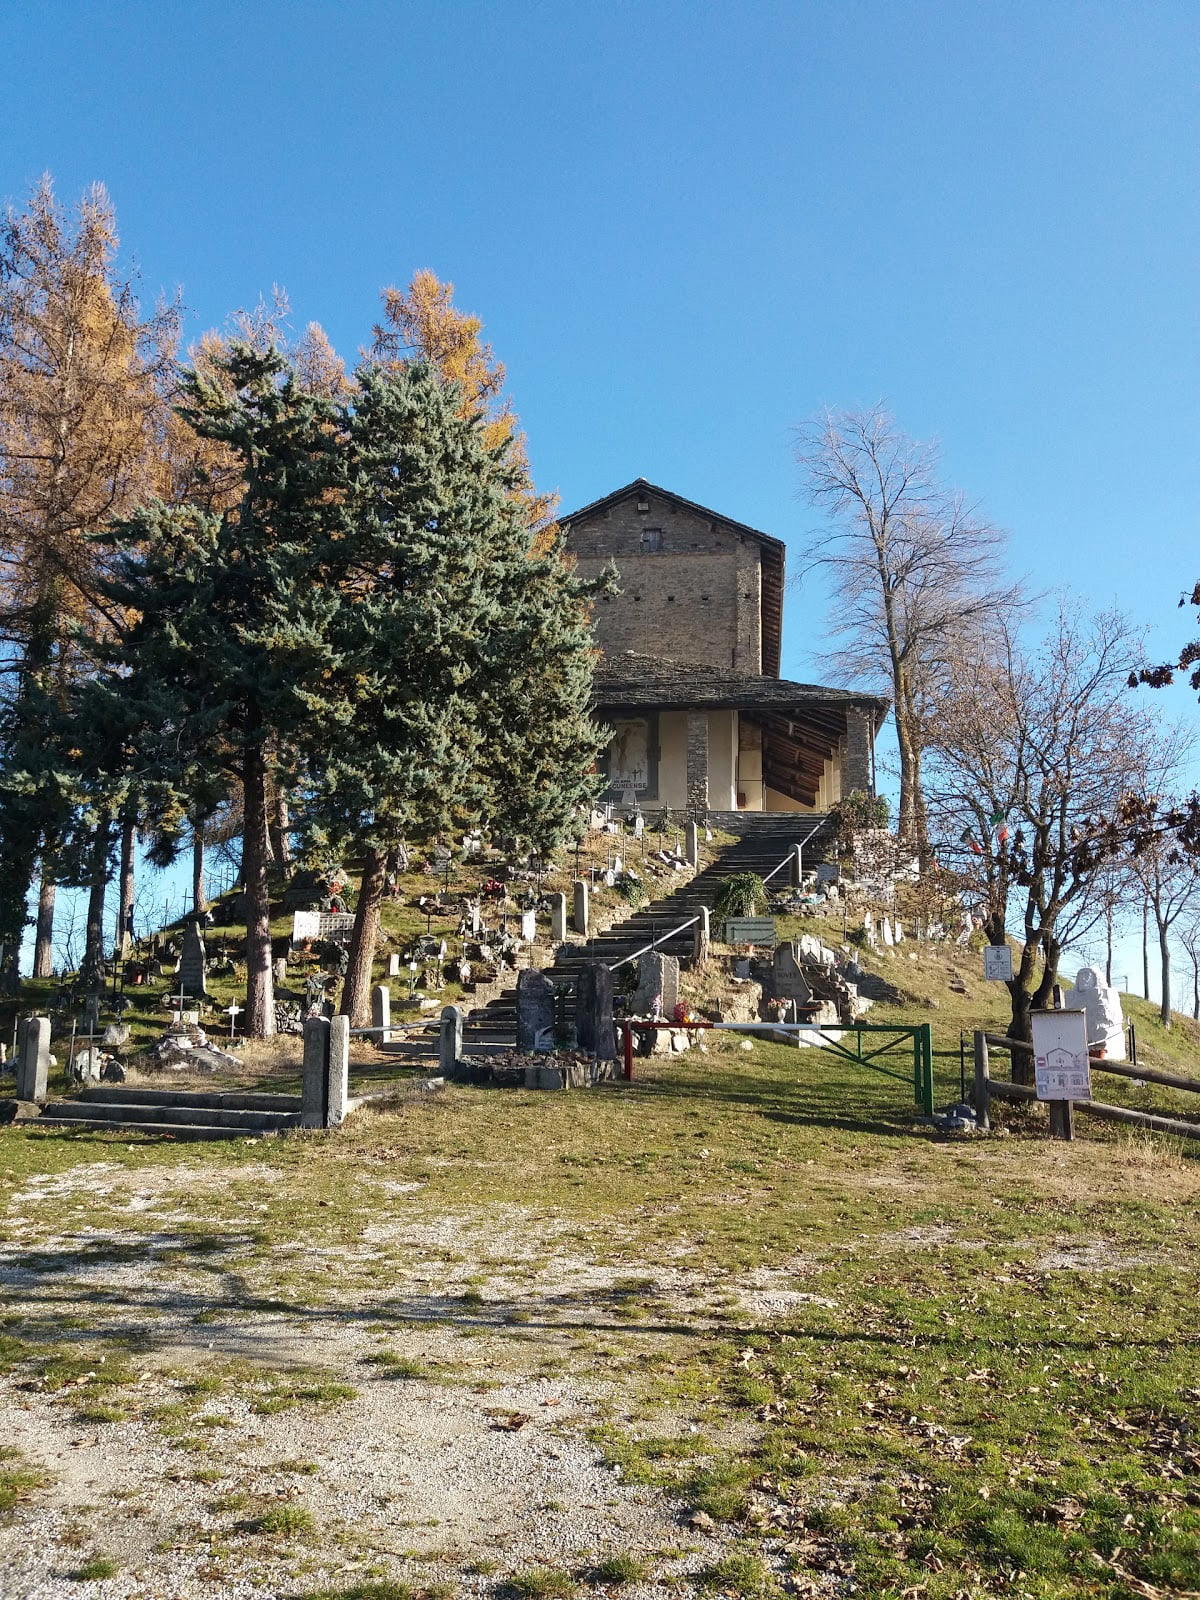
<point>83,380</point>
<point>470,657</point>
<point>225,656</point>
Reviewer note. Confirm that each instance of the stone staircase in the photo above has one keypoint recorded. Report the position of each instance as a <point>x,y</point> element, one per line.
<point>765,840</point>
<point>227,1115</point>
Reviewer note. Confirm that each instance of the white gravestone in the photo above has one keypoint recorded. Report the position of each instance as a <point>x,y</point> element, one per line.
<point>1102,1005</point>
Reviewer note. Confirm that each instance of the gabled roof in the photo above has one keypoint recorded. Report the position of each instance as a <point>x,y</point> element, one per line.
<point>774,553</point>
<point>630,678</point>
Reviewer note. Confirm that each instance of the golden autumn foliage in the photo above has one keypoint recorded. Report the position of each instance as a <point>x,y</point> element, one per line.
<point>423,320</point>
<point>84,385</point>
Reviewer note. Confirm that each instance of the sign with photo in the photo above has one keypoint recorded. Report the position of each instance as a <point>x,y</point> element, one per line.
<point>1060,1055</point>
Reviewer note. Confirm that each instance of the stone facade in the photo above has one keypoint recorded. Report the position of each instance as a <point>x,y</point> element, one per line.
<point>691,587</point>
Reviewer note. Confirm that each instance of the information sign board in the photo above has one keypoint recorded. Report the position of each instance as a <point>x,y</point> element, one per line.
<point>997,963</point>
<point>1060,1055</point>
<point>750,930</point>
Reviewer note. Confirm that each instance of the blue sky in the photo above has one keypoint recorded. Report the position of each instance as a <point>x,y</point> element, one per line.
<point>688,226</point>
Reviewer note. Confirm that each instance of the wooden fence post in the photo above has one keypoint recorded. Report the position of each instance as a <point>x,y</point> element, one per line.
<point>982,1081</point>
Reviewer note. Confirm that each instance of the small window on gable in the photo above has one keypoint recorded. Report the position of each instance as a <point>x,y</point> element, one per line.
<point>652,540</point>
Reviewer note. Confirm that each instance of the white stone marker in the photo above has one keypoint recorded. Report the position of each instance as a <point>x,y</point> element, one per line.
<point>381,1012</point>
<point>558,917</point>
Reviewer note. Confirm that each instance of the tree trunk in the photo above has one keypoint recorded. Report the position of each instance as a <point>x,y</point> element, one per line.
<point>43,949</point>
<point>256,850</point>
<point>281,844</point>
<point>1195,955</point>
<point>1164,953</point>
<point>1146,949</point>
<point>356,991</point>
<point>911,825</point>
<point>1108,928</point>
<point>125,910</point>
<point>199,898</point>
<point>93,943</point>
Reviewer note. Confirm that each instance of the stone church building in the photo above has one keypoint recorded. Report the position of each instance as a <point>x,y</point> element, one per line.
<point>689,680</point>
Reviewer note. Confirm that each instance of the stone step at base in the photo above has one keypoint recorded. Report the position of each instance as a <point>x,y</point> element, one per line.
<point>167,1115</point>
<point>223,1100</point>
<point>174,1130</point>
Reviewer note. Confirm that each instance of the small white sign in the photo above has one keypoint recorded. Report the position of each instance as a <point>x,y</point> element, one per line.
<point>1060,1055</point>
<point>997,963</point>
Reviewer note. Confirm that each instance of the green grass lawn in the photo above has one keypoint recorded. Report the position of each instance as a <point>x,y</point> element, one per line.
<point>982,1378</point>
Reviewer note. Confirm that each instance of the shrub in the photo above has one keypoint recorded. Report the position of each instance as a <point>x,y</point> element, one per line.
<point>741,895</point>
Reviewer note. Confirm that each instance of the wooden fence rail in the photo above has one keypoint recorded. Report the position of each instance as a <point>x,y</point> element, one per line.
<point>988,1088</point>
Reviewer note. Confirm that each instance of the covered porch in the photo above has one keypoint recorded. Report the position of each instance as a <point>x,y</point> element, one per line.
<point>701,739</point>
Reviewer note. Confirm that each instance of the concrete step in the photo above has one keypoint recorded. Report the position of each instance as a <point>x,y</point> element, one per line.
<point>174,1130</point>
<point>225,1100</point>
<point>166,1115</point>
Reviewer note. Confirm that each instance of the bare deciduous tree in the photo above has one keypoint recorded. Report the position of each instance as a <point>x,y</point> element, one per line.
<point>1170,881</point>
<point>1027,752</point>
<point>915,574</point>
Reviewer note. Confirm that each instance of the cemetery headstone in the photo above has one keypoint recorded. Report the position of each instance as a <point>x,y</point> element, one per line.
<point>191,962</point>
<point>693,845</point>
<point>558,917</point>
<point>381,1012</point>
<point>594,1011</point>
<point>580,918</point>
<point>657,992</point>
<point>529,926</point>
<point>535,1007</point>
<point>787,975</point>
<point>394,964</point>
<point>33,1058</point>
<point>450,1040</point>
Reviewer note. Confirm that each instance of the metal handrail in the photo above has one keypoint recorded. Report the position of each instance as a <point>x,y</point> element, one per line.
<point>662,938</point>
<point>811,834</point>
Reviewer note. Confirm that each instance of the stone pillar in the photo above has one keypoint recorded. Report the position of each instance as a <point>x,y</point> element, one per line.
<point>33,1059</point>
<point>339,1071</point>
<point>316,1061</point>
<point>697,763</point>
<point>702,937</point>
<point>450,1041</point>
<point>381,1012</point>
<point>535,1006</point>
<point>558,918</point>
<point>394,964</point>
<point>594,1011</point>
<point>856,753</point>
<point>581,917</point>
<point>692,844</point>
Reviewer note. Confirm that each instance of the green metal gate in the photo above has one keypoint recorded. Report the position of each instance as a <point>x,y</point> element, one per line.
<point>915,1036</point>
